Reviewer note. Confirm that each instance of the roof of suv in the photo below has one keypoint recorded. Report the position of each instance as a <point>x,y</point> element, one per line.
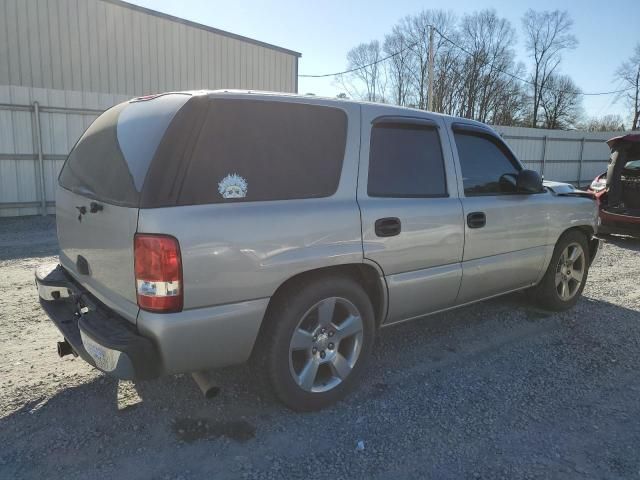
<point>337,101</point>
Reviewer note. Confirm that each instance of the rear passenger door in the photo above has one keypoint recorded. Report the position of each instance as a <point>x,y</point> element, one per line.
<point>505,230</point>
<point>411,214</point>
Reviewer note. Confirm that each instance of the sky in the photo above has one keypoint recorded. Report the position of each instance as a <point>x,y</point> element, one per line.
<point>325,31</point>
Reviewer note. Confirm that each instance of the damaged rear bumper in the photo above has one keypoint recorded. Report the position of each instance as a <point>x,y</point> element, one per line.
<point>98,335</point>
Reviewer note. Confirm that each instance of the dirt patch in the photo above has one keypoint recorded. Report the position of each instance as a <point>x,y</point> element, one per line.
<point>192,429</point>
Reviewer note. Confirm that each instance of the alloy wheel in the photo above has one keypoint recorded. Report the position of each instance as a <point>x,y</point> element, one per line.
<point>570,271</point>
<point>326,344</point>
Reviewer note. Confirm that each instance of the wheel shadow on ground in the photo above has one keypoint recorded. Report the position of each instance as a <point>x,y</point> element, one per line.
<point>172,411</point>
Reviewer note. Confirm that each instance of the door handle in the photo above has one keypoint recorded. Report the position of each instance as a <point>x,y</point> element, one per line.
<point>388,227</point>
<point>476,220</point>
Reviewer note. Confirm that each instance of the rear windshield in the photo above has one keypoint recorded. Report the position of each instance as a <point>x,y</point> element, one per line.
<point>111,159</point>
<point>169,151</point>
<point>252,150</point>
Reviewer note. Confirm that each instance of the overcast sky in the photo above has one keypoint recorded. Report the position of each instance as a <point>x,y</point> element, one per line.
<point>324,31</point>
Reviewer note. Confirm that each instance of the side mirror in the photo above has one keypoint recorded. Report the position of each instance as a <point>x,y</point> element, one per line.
<point>529,181</point>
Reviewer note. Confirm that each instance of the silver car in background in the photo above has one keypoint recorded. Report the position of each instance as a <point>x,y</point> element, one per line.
<point>202,229</point>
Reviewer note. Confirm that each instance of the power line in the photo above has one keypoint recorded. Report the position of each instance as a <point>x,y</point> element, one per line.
<point>384,59</point>
<point>509,74</point>
<point>516,77</point>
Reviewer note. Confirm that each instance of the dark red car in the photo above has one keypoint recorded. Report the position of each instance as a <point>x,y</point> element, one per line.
<point>618,189</point>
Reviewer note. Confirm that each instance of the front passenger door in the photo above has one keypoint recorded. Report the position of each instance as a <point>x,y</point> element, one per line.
<point>505,230</point>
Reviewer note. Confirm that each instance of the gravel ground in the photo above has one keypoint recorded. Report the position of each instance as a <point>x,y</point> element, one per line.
<point>496,390</point>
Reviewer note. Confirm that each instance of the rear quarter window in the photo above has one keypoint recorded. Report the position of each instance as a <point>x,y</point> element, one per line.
<point>96,167</point>
<point>111,159</point>
<point>252,150</point>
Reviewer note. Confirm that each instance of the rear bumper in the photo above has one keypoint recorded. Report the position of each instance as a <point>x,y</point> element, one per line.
<point>204,338</point>
<point>617,223</point>
<point>183,342</point>
<point>100,337</point>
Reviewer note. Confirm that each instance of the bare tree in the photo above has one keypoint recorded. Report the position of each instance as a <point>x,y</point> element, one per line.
<point>475,72</point>
<point>448,57</point>
<point>367,80</point>
<point>400,65</point>
<point>449,77</point>
<point>561,102</point>
<point>629,73</point>
<point>607,123</point>
<point>547,34</point>
<point>511,101</point>
<point>416,31</point>
<point>472,62</point>
<point>488,41</point>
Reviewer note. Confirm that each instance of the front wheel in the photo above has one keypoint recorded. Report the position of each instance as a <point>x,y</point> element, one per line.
<point>565,278</point>
<point>320,336</point>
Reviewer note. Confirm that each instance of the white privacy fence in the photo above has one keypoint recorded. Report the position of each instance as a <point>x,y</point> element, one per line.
<point>38,127</point>
<point>566,156</point>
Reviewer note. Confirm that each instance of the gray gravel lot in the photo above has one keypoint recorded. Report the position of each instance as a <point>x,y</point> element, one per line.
<point>495,390</point>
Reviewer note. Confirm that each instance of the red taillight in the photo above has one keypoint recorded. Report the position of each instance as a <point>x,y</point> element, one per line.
<point>158,271</point>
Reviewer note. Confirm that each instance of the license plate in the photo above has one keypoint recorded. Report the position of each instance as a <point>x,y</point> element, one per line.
<point>105,358</point>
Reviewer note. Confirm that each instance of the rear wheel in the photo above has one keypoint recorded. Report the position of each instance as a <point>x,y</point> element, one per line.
<point>319,339</point>
<point>564,280</point>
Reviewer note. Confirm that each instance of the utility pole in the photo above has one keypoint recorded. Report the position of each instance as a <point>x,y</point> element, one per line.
<point>430,71</point>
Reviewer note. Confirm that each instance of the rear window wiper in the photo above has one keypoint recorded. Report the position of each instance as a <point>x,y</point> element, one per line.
<point>84,191</point>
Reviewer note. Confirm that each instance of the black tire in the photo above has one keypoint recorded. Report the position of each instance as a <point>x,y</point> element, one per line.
<point>546,293</point>
<point>283,319</point>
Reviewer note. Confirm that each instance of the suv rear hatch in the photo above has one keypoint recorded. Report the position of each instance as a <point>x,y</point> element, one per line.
<point>623,176</point>
<point>98,197</point>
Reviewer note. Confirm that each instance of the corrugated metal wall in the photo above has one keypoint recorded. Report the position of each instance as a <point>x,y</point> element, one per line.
<point>63,118</point>
<point>566,156</point>
<point>105,46</point>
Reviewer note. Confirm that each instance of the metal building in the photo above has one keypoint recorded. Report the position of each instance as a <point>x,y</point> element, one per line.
<point>62,62</point>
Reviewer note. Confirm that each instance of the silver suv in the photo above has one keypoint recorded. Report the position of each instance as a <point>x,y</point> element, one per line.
<point>202,229</point>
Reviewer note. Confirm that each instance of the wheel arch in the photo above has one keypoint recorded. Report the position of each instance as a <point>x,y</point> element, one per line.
<point>369,276</point>
<point>589,232</point>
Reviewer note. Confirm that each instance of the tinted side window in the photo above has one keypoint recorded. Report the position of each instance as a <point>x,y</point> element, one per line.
<point>487,166</point>
<point>252,150</point>
<point>111,159</point>
<point>405,160</point>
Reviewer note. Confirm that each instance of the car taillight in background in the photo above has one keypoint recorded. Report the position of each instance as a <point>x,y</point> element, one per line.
<point>158,271</point>
<point>598,184</point>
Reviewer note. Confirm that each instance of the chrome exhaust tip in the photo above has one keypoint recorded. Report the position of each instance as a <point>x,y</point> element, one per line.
<point>208,387</point>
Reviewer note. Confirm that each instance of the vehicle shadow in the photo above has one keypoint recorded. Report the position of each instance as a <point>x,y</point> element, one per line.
<point>107,417</point>
<point>623,241</point>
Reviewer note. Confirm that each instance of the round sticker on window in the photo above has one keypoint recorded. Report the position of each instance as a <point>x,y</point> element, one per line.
<point>233,186</point>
